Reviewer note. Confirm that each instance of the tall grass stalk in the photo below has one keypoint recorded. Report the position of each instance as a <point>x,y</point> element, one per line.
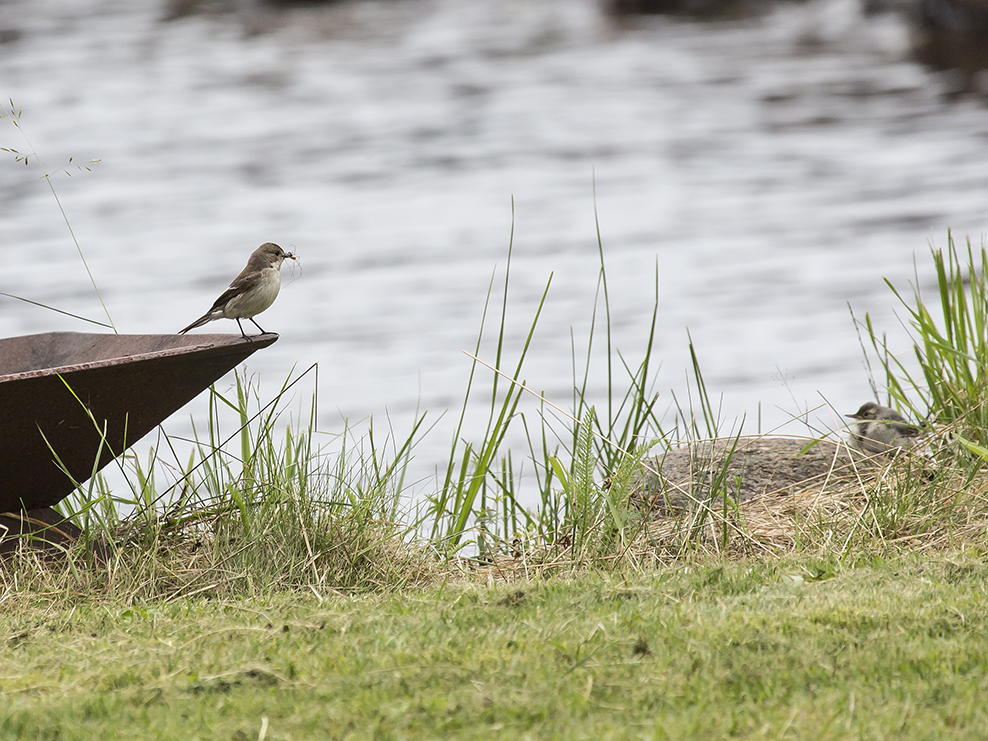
<point>468,475</point>
<point>950,346</point>
<point>582,462</point>
<point>13,114</point>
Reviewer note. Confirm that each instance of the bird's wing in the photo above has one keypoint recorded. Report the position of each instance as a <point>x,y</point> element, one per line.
<point>241,284</point>
<point>900,427</point>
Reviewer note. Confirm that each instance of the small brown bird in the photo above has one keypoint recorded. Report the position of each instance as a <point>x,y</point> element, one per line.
<point>882,430</point>
<point>251,292</point>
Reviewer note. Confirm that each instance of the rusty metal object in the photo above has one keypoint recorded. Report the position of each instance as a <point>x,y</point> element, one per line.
<point>51,383</point>
<point>43,530</point>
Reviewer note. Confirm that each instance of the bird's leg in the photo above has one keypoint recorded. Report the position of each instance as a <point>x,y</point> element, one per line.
<point>256,325</point>
<point>244,334</point>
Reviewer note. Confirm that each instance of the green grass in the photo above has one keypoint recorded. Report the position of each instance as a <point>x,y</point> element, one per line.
<point>712,650</point>
<point>570,452</point>
<point>946,381</point>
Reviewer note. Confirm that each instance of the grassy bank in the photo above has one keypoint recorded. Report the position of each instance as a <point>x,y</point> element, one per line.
<point>719,650</point>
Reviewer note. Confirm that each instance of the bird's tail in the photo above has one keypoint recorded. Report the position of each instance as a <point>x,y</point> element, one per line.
<point>205,318</point>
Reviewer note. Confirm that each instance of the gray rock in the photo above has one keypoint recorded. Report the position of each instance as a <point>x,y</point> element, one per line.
<point>705,471</point>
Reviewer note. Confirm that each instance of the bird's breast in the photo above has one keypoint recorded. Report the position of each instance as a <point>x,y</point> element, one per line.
<point>255,300</point>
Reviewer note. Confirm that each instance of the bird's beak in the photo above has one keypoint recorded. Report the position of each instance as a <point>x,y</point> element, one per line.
<point>290,256</point>
<point>852,416</point>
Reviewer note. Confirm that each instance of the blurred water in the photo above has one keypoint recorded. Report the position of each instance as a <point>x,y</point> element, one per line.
<point>768,171</point>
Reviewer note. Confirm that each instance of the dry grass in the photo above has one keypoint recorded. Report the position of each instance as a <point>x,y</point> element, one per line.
<point>908,503</point>
<point>215,561</point>
<point>925,503</point>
